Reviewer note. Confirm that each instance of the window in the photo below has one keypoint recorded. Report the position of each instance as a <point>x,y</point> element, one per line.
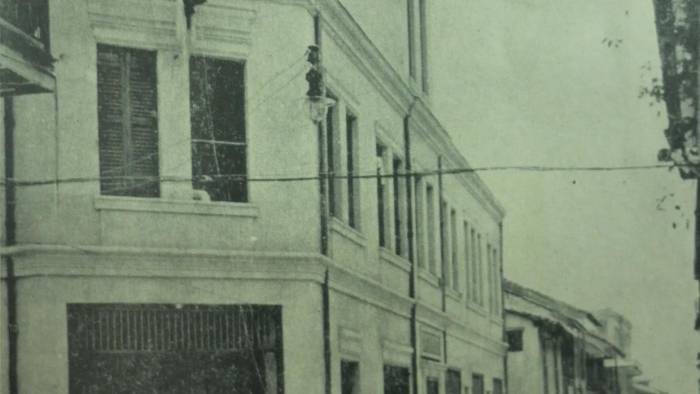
<point>467,250</point>
<point>453,250</point>
<point>477,384</point>
<point>430,207</point>
<point>352,163</point>
<point>480,269</point>
<point>453,382</point>
<point>496,285</point>
<point>333,160</point>
<point>349,377</point>
<point>398,207</point>
<point>432,385</point>
<point>127,121</point>
<point>497,386</point>
<point>420,223</point>
<point>411,38</point>
<point>159,348</point>
<point>381,196</point>
<point>217,111</point>
<point>489,273</point>
<point>475,270</point>
<point>515,340</point>
<point>445,245</point>
<point>396,380</point>
<point>422,15</point>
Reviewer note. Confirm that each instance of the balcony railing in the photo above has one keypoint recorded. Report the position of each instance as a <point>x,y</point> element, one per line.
<point>25,60</point>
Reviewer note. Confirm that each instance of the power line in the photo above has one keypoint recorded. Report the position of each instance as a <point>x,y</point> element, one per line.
<point>302,178</point>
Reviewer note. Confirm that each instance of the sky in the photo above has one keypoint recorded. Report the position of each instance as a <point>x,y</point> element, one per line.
<point>552,93</point>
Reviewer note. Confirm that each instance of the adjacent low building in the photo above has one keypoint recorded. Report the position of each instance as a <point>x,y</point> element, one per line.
<point>556,348</point>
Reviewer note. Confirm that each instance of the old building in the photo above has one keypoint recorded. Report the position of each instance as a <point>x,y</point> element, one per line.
<point>181,217</point>
<point>557,348</point>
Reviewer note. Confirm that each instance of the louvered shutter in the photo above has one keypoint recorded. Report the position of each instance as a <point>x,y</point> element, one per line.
<point>127,113</point>
<point>144,123</point>
<point>110,104</point>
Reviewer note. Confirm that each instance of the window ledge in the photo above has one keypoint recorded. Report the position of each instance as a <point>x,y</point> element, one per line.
<point>452,293</point>
<point>344,230</point>
<point>477,308</point>
<point>159,205</point>
<point>430,278</point>
<point>395,260</point>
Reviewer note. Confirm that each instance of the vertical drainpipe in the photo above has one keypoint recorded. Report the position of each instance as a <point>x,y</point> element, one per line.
<point>503,306</point>
<point>410,181</point>
<point>323,207</point>
<point>10,239</point>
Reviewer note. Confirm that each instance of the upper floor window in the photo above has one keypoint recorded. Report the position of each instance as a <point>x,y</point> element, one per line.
<point>398,206</point>
<point>422,17</point>
<point>431,227</point>
<point>382,197</point>
<point>217,109</point>
<point>515,340</point>
<point>333,158</point>
<point>475,268</point>
<point>127,121</point>
<point>490,278</point>
<point>496,282</point>
<point>417,42</point>
<point>453,250</point>
<point>480,269</point>
<point>467,249</point>
<point>352,165</point>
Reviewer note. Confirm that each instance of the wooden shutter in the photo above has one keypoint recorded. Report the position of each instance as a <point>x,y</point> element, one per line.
<point>127,105</point>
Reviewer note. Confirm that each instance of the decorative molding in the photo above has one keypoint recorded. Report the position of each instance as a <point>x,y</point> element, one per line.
<point>460,329</point>
<point>395,353</point>
<point>431,344</point>
<point>399,262</point>
<point>344,230</point>
<point>142,23</point>
<point>186,207</point>
<point>350,342</point>
<point>221,28</point>
<point>429,278</point>
<point>367,289</point>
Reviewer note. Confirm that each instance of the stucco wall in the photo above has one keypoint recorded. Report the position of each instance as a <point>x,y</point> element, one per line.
<point>43,367</point>
<point>525,371</point>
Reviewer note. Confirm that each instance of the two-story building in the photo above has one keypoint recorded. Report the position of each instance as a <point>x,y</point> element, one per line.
<point>178,217</point>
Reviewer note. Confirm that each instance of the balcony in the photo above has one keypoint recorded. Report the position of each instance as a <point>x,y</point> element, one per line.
<point>25,61</point>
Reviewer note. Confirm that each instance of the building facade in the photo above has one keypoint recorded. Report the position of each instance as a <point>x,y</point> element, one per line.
<point>178,219</point>
<point>557,348</point>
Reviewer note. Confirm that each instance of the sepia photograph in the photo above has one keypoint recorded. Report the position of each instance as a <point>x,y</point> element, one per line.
<point>349,197</point>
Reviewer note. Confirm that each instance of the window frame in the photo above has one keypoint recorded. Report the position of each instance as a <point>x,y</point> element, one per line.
<point>244,81</point>
<point>127,149</point>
